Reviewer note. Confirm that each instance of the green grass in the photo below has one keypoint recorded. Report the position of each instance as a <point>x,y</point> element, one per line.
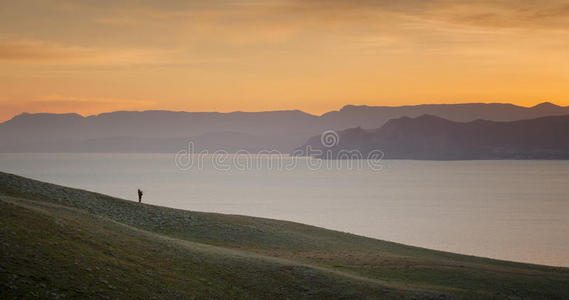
<point>58,242</point>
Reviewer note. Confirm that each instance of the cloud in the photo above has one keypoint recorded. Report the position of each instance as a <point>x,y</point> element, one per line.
<point>122,21</point>
<point>31,51</point>
<point>507,14</point>
<point>233,23</point>
<point>551,14</point>
<point>183,51</point>
<point>39,51</point>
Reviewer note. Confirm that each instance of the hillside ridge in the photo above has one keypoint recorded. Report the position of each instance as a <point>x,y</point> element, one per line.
<point>43,221</point>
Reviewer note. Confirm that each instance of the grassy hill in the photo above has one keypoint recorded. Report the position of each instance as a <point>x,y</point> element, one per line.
<point>59,242</point>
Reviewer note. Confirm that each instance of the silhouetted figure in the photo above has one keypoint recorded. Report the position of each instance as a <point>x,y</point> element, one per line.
<point>139,196</point>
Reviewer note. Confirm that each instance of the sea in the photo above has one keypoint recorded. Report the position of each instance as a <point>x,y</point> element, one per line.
<point>515,210</point>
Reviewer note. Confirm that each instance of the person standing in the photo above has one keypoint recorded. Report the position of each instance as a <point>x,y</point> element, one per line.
<point>139,196</point>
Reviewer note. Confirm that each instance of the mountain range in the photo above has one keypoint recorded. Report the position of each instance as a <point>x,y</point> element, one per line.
<point>169,131</point>
<point>434,138</point>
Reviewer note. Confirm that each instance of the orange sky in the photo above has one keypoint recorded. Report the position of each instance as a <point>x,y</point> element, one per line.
<point>314,55</point>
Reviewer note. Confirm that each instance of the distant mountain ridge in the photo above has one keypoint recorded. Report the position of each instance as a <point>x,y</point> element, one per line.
<point>434,138</point>
<point>370,117</point>
<point>168,131</point>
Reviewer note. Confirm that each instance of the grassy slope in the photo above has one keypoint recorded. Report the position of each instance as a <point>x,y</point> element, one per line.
<point>69,242</point>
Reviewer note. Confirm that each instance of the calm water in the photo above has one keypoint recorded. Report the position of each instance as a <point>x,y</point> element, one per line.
<point>514,210</point>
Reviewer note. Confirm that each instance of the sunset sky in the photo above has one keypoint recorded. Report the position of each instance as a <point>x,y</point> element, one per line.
<point>314,55</point>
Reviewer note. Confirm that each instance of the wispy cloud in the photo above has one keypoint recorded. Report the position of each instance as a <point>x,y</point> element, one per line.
<point>327,52</point>
<point>552,14</point>
<point>21,50</point>
<point>40,52</point>
<point>233,23</point>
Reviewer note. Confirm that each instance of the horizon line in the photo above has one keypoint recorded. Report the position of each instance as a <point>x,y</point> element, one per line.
<point>282,110</point>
